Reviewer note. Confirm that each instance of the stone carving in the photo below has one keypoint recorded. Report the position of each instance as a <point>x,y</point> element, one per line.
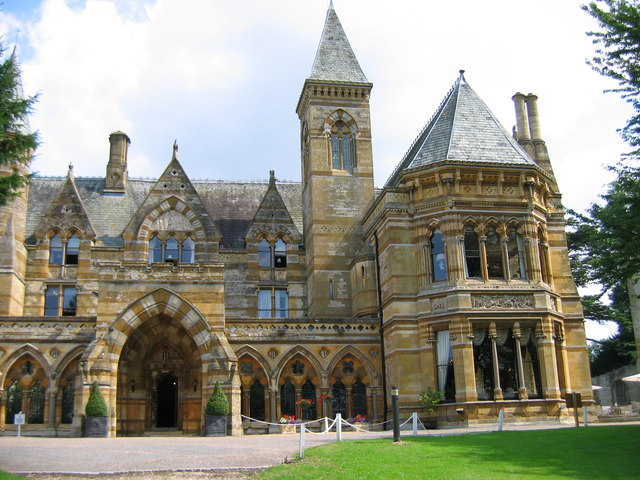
<point>439,304</point>
<point>502,301</point>
<point>171,220</point>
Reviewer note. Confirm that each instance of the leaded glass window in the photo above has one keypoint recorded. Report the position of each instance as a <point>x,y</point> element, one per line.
<point>342,148</point>
<point>280,254</point>
<point>72,250</point>
<point>438,258</point>
<point>256,400</point>
<point>14,402</point>
<point>515,252</point>
<point>494,254</point>
<point>288,398</point>
<point>55,250</point>
<point>171,249</point>
<point>339,392</point>
<point>472,253</point>
<point>68,398</point>
<point>264,253</point>
<point>359,398</point>
<point>36,403</point>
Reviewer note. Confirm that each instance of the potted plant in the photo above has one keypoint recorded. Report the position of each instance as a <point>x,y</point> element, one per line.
<point>288,424</point>
<point>96,423</point>
<point>428,400</point>
<point>362,422</point>
<point>215,413</point>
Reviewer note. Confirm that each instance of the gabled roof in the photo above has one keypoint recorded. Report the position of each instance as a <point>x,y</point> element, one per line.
<point>463,130</point>
<point>335,60</point>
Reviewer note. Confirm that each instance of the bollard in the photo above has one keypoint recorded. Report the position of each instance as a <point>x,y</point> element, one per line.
<point>414,417</point>
<point>585,415</point>
<point>500,420</point>
<point>396,413</point>
<point>301,451</point>
<point>339,427</point>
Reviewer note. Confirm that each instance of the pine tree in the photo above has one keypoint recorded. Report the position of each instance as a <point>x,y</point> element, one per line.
<point>17,143</point>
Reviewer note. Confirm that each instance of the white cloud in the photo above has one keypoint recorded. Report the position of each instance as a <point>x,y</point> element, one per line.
<point>224,78</point>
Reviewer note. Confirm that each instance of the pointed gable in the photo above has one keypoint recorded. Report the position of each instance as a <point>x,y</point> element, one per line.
<point>173,204</point>
<point>463,130</point>
<point>335,60</point>
<point>67,211</point>
<point>272,216</point>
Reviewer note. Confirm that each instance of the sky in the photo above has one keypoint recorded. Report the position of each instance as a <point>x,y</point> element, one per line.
<point>223,80</point>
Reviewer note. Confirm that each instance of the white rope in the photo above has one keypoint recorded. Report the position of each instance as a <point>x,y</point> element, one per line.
<point>296,424</point>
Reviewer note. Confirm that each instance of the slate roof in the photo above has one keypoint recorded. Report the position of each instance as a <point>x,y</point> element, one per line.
<point>335,60</point>
<point>463,130</point>
<point>232,205</point>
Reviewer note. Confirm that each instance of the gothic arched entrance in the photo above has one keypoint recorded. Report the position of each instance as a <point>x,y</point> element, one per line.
<point>159,379</point>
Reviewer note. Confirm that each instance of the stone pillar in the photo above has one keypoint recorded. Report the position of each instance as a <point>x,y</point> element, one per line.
<point>522,388</point>
<point>547,359</point>
<point>522,121</point>
<point>349,401</point>
<point>497,391</point>
<point>53,395</point>
<point>464,373</point>
<point>483,257</point>
<point>298,407</point>
<point>246,402</point>
<point>273,405</point>
<point>506,270</point>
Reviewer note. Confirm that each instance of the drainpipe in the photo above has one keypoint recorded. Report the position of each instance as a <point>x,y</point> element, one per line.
<point>380,318</point>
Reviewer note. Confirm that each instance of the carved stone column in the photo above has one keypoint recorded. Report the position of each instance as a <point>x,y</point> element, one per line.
<point>246,402</point>
<point>349,399</point>
<point>497,391</point>
<point>273,405</point>
<point>548,361</point>
<point>483,256</point>
<point>522,388</point>
<point>53,395</point>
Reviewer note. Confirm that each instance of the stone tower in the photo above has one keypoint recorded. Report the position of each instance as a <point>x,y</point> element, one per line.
<point>337,168</point>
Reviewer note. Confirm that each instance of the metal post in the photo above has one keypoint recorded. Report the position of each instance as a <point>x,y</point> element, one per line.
<point>339,427</point>
<point>500,420</point>
<point>396,413</point>
<point>302,429</point>
<point>414,417</point>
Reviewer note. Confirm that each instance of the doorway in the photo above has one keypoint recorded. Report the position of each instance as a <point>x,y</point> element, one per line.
<point>167,402</point>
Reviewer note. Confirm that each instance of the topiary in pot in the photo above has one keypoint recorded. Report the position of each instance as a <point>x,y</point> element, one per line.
<point>97,414</point>
<point>216,413</point>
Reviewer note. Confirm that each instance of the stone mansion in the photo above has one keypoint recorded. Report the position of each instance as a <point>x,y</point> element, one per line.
<point>454,276</point>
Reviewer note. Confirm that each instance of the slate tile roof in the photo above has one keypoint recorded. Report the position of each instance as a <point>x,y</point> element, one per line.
<point>463,130</point>
<point>335,60</point>
<point>232,205</point>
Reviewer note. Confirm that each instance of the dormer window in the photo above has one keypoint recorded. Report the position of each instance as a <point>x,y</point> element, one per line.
<point>272,256</point>
<point>171,249</point>
<point>61,253</point>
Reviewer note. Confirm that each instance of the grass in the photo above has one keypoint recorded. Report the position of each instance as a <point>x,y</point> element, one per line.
<point>570,453</point>
<point>9,476</point>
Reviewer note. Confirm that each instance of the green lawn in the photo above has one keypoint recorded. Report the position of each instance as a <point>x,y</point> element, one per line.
<point>576,453</point>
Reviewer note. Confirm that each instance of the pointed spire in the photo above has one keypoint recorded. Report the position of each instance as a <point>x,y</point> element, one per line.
<point>175,149</point>
<point>335,60</point>
<point>463,129</point>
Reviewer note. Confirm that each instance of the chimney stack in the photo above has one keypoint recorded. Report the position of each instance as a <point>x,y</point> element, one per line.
<point>116,179</point>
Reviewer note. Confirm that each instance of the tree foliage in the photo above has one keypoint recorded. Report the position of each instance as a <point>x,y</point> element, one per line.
<point>17,143</point>
<point>603,242</point>
<point>618,54</point>
<point>218,403</point>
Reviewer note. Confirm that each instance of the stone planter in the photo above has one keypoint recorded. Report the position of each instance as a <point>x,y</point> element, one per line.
<point>215,425</point>
<point>96,426</point>
<point>288,428</point>
<point>359,426</point>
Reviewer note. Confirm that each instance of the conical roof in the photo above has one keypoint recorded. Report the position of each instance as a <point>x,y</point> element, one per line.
<point>463,130</point>
<point>335,60</point>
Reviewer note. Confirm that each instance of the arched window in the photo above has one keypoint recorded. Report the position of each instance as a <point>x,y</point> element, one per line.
<point>72,250</point>
<point>280,254</point>
<point>188,249</point>
<point>264,253</point>
<point>472,253</point>
<point>55,250</point>
<point>438,258</point>
<point>342,147</point>
<point>444,352</point>
<point>155,250</point>
<point>494,254</point>
<point>515,254</point>
<point>330,289</point>
<point>171,249</point>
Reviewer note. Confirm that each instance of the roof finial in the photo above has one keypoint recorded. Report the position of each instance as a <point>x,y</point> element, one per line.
<point>272,177</point>
<point>462,76</point>
<point>175,149</point>
<point>330,4</point>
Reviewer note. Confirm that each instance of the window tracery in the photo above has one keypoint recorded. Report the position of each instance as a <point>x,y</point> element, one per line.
<point>171,248</point>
